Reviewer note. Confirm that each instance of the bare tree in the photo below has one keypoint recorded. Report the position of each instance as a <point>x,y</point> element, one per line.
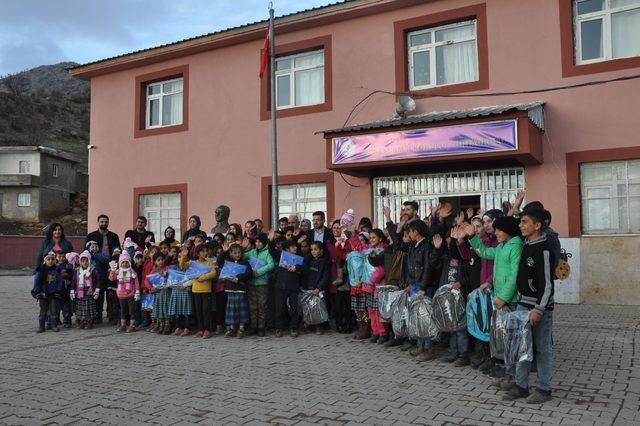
<point>16,84</point>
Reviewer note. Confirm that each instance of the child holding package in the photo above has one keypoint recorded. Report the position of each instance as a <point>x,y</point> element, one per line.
<point>47,289</point>
<point>318,273</point>
<point>237,314</point>
<point>288,282</point>
<point>161,296</point>
<point>201,289</point>
<point>127,290</point>
<point>85,288</point>
<point>535,285</point>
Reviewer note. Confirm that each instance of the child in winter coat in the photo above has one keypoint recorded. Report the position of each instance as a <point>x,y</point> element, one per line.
<point>257,292</point>
<point>379,329</point>
<point>66,271</point>
<point>237,314</point>
<point>160,313</point>
<point>100,262</point>
<point>128,291</point>
<point>47,289</point>
<point>85,288</point>
<point>287,289</point>
<point>201,289</point>
<point>317,273</point>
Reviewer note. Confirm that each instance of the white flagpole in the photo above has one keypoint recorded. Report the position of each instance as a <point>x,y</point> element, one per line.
<point>274,130</point>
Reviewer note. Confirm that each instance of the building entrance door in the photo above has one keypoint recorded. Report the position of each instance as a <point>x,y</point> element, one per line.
<point>485,189</point>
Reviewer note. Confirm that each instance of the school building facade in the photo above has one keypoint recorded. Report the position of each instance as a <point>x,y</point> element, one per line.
<point>182,128</point>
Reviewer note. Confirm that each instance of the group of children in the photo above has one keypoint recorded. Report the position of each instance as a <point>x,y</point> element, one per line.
<point>242,283</point>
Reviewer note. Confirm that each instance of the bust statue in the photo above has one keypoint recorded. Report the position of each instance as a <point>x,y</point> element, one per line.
<point>222,220</point>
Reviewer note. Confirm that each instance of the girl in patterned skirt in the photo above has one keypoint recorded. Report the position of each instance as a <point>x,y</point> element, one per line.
<point>85,289</point>
<point>180,307</point>
<point>161,297</point>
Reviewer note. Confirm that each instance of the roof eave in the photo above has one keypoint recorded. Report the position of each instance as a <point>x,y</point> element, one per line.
<point>241,34</point>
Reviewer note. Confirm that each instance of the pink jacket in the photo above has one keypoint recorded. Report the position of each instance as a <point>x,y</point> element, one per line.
<point>126,288</point>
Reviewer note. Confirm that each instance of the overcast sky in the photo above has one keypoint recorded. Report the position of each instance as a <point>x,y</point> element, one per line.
<point>42,32</point>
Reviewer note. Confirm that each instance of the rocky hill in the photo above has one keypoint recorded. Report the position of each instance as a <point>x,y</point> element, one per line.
<point>45,106</point>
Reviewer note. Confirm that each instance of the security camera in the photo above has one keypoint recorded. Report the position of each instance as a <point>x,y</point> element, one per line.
<point>90,146</point>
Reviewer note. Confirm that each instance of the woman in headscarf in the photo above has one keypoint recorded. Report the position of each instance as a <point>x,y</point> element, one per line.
<point>194,229</point>
<point>170,237</point>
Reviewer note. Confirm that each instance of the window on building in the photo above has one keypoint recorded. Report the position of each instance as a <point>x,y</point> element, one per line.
<point>24,166</point>
<point>300,80</point>
<point>161,210</point>
<point>56,170</point>
<point>302,199</point>
<point>164,103</point>
<point>606,29</point>
<point>443,55</point>
<point>24,199</point>
<point>610,193</point>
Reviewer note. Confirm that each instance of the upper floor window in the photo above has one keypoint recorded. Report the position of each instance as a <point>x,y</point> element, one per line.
<point>56,170</point>
<point>164,103</point>
<point>300,80</point>
<point>610,193</point>
<point>24,166</point>
<point>606,29</point>
<point>443,55</point>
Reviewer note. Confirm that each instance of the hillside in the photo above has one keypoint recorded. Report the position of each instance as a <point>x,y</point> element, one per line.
<point>51,109</point>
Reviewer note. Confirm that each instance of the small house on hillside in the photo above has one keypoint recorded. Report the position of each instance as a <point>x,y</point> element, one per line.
<point>37,182</point>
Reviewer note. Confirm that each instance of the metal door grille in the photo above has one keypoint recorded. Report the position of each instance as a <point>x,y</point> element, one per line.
<point>493,187</point>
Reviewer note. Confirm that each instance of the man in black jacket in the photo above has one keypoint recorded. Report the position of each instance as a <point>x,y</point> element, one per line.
<point>107,240</point>
<point>140,235</point>
<point>535,285</point>
<point>319,232</point>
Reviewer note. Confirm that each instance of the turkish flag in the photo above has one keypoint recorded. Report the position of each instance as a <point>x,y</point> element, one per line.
<point>264,55</point>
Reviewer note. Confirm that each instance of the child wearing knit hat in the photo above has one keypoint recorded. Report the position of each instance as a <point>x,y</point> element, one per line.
<point>127,290</point>
<point>85,288</point>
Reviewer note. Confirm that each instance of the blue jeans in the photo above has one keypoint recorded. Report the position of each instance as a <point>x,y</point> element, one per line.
<point>413,290</point>
<point>543,354</point>
<point>459,342</point>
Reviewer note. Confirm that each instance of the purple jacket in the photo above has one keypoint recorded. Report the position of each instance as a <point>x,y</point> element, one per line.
<point>486,269</point>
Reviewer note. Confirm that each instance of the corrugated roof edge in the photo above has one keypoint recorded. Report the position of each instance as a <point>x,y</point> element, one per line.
<point>534,110</point>
<point>264,21</point>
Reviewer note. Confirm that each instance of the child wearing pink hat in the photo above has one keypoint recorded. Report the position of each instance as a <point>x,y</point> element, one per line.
<point>127,290</point>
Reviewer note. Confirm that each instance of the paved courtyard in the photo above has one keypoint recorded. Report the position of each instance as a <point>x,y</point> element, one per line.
<point>98,376</point>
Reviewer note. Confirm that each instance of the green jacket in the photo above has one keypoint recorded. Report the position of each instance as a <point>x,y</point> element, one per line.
<point>265,256</point>
<point>505,266</point>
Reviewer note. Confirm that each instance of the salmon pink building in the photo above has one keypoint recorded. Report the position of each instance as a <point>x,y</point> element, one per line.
<point>538,95</point>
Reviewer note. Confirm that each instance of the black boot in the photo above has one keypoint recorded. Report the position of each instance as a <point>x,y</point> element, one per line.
<point>41,321</point>
<point>53,323</point>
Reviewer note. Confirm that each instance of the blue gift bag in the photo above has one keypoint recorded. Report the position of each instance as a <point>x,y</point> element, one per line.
<point>156,280</point>
<point>196,269</point>
<point>479,312</point>
<point>257,264</point>
<point>176,278</point>
<point>232,269</point>
<point>146,302</point>
<point>290,259</point>
<point>355,264</point>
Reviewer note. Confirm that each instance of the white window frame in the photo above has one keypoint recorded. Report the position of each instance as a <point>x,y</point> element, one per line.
<point>24,199</point>
<point>614,199</point>
<point>158,96</point>
<point>431,48</point>
<point>605,15</point>
<point>161,222</point>
<point>292,72</point>
<point>27,166</point>
<point>56,170</point>
<point>295,200</point>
